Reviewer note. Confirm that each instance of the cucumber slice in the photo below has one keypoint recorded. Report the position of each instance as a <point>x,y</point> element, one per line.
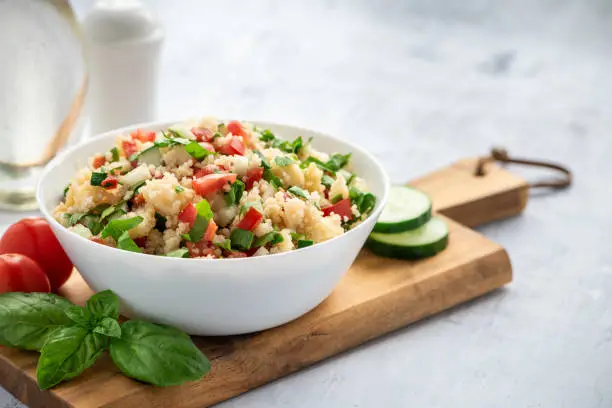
<point>150,155</point>
<point>422,242</point>
<point>406,209</point>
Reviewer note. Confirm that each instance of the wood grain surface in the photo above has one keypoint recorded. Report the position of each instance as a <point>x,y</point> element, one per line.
<point>375,297</point>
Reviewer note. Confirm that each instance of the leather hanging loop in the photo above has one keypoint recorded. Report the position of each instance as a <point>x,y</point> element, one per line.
<point>501,155</point>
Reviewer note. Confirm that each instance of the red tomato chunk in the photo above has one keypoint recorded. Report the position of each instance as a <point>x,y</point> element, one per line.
<point>251,220</point>
<point>212,183</point>
<point>342,208</point>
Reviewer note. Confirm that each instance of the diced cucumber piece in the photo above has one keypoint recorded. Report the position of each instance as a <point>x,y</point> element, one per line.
<point>150,155</point>
<point>407,208</point>
<point>422,242</point>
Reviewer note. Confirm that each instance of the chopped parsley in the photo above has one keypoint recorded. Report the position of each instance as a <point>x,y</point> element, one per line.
<point>297,237</point>
<point>241,239</point>
<point>196,150</point>
<point>97,178</point>
<point>365,202</point>
<point>303,243</point>
<point>115,228</point>
<point>336,198</point>
<point>179,253</point>
<point>264,162</point>
<point>179,189</point>
<point>66,190</point>
<point>286,146</point>
<point>234,195</point>
<point>272,238</point>
<point>298,192</point>
<point>272,179</point>
<point>203,217</point>
<point>283,161</point>
<point>227,244</point>
<point>127,243</point>
<point>327,181</point>
<point>73,218</point>
<point>114,154</point>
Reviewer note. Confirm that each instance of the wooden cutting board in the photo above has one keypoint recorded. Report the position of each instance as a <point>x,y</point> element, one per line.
<point>376,297</point>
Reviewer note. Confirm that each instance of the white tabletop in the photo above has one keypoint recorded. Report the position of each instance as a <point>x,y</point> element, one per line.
<point>422,84</point>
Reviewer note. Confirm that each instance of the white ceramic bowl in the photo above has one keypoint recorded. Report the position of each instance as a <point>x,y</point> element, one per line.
<point>214,296</point>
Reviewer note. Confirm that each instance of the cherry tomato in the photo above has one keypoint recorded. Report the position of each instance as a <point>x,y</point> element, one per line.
<point>129,148</point>
<point>18,273</point>
<point>188,214</point>
<point>212,183</point>
<point>202,134</point>
<point>33,238</point>
<point>208,169</point>
<point>235,128</point>
<point>143,135</point>
<point>98,161</point>
<point>251,220</point>
<point>211,231</point>
<point>342,208</point>
<point>252,175</point>
<point>234,146</point>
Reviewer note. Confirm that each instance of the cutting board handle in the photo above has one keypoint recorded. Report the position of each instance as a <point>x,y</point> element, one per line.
<point>470,199</point>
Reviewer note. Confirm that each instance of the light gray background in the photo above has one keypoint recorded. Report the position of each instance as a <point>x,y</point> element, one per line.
<point>421,84</point>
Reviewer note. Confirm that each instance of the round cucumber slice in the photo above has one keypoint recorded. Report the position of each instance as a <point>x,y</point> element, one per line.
<point>422,242</point>
<point>407,208</point>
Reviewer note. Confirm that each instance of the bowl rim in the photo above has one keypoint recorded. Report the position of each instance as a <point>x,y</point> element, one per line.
<point>63,156</point>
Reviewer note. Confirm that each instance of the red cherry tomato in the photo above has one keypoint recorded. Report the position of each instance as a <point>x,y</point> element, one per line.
<point>33,238</point>
<point>143,135</point>
<point>211,231</point>
<point>208,169</point>
<point>129,148</point>
<point>234,146</point>
<point>98,161</point>
<point>202,134</point>
<point>252,175</point>
<point>235,128</point>
<point>251,220</point>
<point>212,183</point>
<point>342,208</point>
<point>18,273</point>
<point>188,214</point>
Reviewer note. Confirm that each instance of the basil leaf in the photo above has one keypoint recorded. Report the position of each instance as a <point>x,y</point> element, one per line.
<point>199,229</point>
<point>159,355</point>
<point>196,150</point>
<point>26,319</point>
<point>241,239</point>
<point>235,194</point>
<point>160,222</point>
<point>297,144</point>
<point>264,162</point>
<point>108,327</point>
<point>67,353</point>
<point>117,227</point>
<point>80,316</point>
<point>126,243</point>
<point>296,191</point>
<point>283,161</point>
<point>104,304</point>
<point>179,253</point>
<point>107,212</point>
<point>92,223</point>
<point>272,179</point>
<point>271,238</point>
<point>97,178</point>
<point>179,189</point>
<point>227,244</point>
<point>367,203</point>
<point>203,209</point>
<point>326,180</point>
<point>303,243</point>
<point>338,161</point>
<point>115,154</point>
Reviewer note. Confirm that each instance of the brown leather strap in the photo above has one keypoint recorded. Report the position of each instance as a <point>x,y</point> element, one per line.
<point>501,155</point>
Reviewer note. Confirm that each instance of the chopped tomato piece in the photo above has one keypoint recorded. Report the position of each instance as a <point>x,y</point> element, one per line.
<point>252,175</point>
<point>342,208</point>
<point>202,134</point>
<point>109,182</point>
<point>188,214</point>
<point>206,170</point>
<point>143,135</point>
<point>141,241</point>
<point>208,146</point>
<point>98,161</point>
<point>235,128</point>
<point>251,220</point>
<point>211,231</point>
<point>138,200</point>
<point>237,254</point>
<point>129,148</point>
<point>212,183</point>
<point>251,251</point>
<point>234,146</point>
<point>99,241</point>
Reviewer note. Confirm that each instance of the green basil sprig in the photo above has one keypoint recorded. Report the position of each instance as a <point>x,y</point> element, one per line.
<point>71,338</point>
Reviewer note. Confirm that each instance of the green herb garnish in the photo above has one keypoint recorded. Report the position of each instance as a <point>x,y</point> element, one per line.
<point>338,161</point>
<point>264,162</point>
<point>97,178</point>
<point>297,237</point>
<point>365,202</point>
<point>327,181</point>
<point>73,218</point>
<point>283,161</point>
<point>160,222</point>
<point>66,189</point>
<point>179,189</point>
<point>235,194</point>
<point>179,253</point>
<point>115,154</point>
<point>115,228</point>
<point>298,192</point>
<point>221,128</point>
<point>200,224</point>
<point>196,150</point>
<point>272,238</point>
<point>241,239</point>
<point>272,179</point>
<point>303,243</point>
<point>91,222</point>
<point>267,136</point>
<point>126,243</point>
<point>71,338</point>
<point>227,244</point>
<point>336,198</point>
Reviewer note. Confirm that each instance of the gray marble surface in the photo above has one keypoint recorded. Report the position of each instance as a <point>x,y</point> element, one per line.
<point>420,84</point>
